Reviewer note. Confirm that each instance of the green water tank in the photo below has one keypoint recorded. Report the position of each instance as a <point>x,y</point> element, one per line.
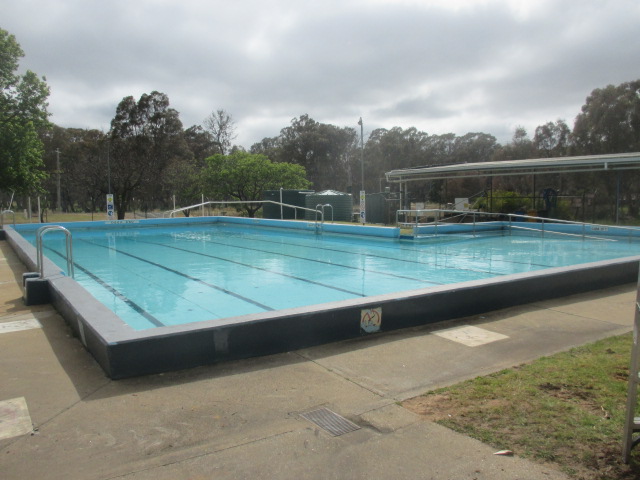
<point>342,204</point>
<point>290,197</point>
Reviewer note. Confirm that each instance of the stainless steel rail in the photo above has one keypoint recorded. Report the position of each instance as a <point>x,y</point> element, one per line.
<point>2,217</point>
<point>68,243</point>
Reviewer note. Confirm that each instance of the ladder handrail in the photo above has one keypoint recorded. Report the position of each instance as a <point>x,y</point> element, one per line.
<point>2,217</point>
<point>68,243</point>
<point>322,206</point>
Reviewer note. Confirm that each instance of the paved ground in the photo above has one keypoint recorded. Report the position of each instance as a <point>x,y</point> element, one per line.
<point>61,418</point>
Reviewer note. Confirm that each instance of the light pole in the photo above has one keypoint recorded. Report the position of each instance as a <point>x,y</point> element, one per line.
<point>362,194</point>
<point>361,154</point>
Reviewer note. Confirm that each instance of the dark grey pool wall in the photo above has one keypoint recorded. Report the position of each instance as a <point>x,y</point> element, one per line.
<point>123,352</point>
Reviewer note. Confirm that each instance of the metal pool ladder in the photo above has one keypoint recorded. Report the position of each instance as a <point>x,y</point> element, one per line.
<point>2,217</point>
<point>68,243</point>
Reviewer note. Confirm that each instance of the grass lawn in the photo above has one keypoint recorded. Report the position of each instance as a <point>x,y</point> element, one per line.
<point>568,409</point>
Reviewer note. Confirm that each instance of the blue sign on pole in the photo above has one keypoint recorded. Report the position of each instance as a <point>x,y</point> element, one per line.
<point>110,205</point>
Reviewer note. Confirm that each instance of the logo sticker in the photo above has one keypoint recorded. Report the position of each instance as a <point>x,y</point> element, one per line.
<point>371,320</point>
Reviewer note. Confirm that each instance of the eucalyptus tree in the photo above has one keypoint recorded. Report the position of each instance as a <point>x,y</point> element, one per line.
<point>144,137</point>
<point>325,151</point>
<point>23,113</point>
<point>82,158</point>
<point>552,139</point>
<point>201,143</point>
<point>222,128</point>
<point>610,120</point>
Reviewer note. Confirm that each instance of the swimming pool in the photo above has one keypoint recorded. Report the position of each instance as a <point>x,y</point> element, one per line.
<point>228,288</point>
<point>156,276</point>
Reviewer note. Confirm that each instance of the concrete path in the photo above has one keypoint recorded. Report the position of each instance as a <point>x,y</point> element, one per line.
<point>62,418</point>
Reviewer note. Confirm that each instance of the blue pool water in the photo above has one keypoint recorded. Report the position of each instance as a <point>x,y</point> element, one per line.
<point>158,276</point>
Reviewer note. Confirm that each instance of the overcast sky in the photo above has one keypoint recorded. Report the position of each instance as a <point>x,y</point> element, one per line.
<point>438,65</point>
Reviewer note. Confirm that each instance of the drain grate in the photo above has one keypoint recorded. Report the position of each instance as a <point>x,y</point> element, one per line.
<point>330,421</point>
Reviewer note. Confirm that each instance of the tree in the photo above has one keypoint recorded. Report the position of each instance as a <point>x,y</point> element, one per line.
<point>474,147</point>
<point>83,165</point>
<point>200,143</point>
<point>552,139</point>
<point>610,120</point>
<point>323,150</point>
<point>23,112</point>
<point>520,148</point>
<point>222,128</point>
<point>144,137</point>
<point>245,176</point>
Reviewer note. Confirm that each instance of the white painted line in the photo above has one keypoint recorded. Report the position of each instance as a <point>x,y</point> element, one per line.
<point>470,336</point>
<point>14,418</point>
<point>19,325</point>
<point>39,315</point>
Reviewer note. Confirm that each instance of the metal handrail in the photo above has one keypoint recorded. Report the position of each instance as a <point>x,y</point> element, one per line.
<point>511,217</point>
<point>170,213</point>
<point>68,243</point>
<point>2,217</point>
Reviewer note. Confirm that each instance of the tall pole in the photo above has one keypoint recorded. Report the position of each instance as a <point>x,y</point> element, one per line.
<point>109,164</point>
<point>361,154</point>
<point>362,194</point>
<point>59,201</point>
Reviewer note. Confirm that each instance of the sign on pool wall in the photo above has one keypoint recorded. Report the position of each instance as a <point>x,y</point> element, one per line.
<point>371,320</point>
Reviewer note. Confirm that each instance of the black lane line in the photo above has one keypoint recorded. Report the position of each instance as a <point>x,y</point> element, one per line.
<point>366,255</point>
<point>138,309</point>
<point>332,264</point>
<point>194,279</point>
<point>272,272</point>
<point>419,262</point>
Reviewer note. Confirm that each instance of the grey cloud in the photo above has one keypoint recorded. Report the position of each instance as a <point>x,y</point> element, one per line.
<point>477,68</point>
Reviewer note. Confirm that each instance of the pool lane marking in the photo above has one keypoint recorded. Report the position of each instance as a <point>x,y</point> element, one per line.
<point>332,264</point>
<point>248,265</point>
<point>415,250</point>
<point>137,308</point>
<point>405,277</point>
<point>195,279</point>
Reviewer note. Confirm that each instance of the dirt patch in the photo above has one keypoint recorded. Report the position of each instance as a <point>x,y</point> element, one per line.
<point>436,407</point>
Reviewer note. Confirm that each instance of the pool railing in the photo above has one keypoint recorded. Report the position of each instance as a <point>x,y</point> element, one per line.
<point>316,211</point>
<point>441,221</point>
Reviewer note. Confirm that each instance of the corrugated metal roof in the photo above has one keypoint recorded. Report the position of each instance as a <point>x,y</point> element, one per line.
<point>621,161</point>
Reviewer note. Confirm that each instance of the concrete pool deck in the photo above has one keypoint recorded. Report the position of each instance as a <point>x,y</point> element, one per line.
<point>241,419</point>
